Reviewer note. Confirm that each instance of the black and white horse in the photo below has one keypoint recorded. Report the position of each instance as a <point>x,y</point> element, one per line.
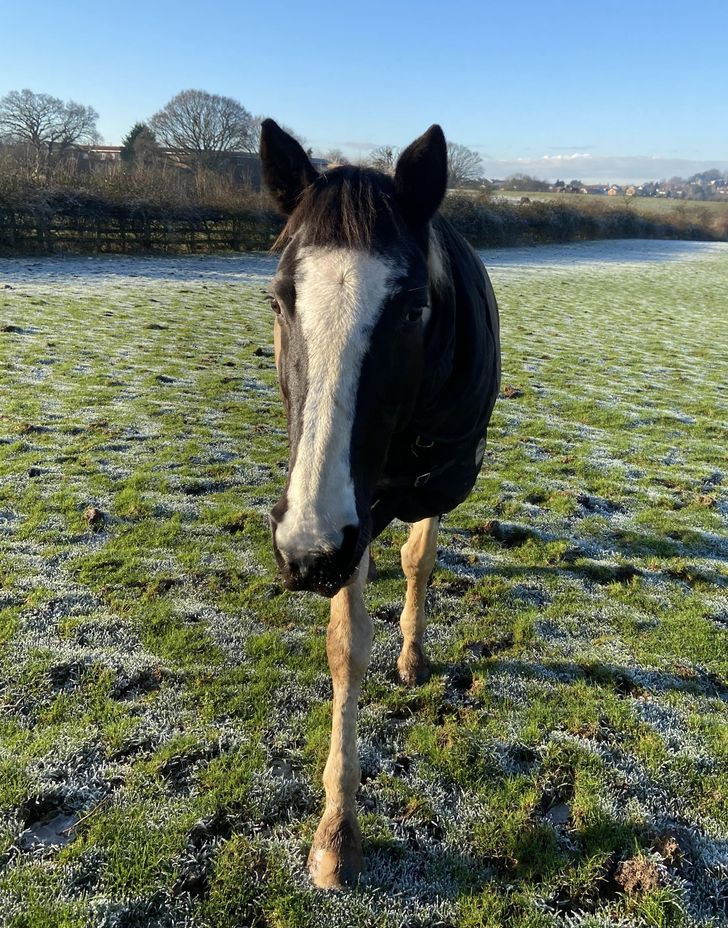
<point>387,349</point>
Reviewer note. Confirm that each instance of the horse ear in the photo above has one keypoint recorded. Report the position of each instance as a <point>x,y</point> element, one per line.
<point>287,170</point>
<point>420,178</point>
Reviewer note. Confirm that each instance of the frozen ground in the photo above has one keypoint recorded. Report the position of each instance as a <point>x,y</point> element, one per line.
<point>165,704</point>
<point>113,270</point>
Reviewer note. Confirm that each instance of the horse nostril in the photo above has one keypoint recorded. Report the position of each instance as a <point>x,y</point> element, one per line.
<point>298,569</point>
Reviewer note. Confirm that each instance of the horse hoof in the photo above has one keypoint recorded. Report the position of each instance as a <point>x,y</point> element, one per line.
<point>412,666</point>
<point>336,860</point>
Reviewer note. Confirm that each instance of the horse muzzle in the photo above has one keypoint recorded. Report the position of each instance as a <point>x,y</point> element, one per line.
<point>323,566</point>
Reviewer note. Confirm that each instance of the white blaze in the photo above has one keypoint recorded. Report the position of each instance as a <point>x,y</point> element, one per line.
<point>339,297</point>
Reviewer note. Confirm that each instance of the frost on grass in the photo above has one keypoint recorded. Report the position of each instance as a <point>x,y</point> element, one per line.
<point>573,730</point>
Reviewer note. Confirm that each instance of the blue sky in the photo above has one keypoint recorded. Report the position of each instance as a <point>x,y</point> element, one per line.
<point>597,89</point>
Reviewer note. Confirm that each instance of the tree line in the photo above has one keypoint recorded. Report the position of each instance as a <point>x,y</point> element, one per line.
<point>199,130</point>
<point>200,127</point>
<point>175,187</point>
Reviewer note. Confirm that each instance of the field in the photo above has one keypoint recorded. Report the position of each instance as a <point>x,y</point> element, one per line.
<point>165,711</point>
<point>647,206</point>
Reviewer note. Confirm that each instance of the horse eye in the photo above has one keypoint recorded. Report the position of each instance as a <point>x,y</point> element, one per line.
<point>415,315</point>
<point>275,305</point>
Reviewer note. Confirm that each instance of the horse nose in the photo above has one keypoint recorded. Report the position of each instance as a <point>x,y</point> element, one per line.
<point>302,562</point>
<point>302,554</point>
<point>315,560</point>
<point>303,568</point>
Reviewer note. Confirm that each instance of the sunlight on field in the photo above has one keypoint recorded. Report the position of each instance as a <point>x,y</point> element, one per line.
<point>165,703</point>
<point>645,205</point>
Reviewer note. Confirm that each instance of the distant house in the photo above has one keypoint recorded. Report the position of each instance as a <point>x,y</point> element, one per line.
<point>98,154</point>
<point>244,166</point>
<point>93,157</point>
<point>614,191</point>
<point>631,191</point>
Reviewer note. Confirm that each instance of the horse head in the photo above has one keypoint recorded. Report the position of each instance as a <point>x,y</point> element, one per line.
<point>351,301</point>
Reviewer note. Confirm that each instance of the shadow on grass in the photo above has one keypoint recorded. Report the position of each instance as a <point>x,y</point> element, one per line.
<point>625,681</point>
<point>624,543</point>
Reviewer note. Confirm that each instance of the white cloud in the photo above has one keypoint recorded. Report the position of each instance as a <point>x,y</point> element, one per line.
<point>566,157</point>
<point>578,163</point>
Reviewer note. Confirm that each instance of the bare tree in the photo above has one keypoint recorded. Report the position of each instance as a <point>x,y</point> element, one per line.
<point>384,158</point>
<point>335,156</point>
<point>203,128</point>
<point>45,124</point>
<point>463,165</point>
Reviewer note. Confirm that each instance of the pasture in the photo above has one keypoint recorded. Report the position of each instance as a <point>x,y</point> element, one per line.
<point>654,207</point>
<point>165,714</point>
<point>643,204</point>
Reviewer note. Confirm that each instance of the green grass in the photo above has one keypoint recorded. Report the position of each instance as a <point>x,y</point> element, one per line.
<point>645,205</point>
<point>157,682</point>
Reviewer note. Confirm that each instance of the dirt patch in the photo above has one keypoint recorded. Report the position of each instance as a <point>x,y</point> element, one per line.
<point>508,534</point>
<point>94,518</point>
<point>638,876</point>
<point>41,808</point>
<point>452,586</point>
<point>606,573</point>
<point>145,681</point>
<point>668,847</point>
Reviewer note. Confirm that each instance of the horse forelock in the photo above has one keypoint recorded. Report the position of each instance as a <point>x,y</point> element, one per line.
<point>346,207</point>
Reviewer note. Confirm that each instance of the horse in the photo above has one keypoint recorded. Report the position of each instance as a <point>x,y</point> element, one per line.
<point>387,348</point>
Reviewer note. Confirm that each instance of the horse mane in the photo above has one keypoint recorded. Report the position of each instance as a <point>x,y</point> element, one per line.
<point>347,207</point>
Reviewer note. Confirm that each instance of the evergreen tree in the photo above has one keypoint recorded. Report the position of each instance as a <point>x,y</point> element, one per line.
<point>139,145</point>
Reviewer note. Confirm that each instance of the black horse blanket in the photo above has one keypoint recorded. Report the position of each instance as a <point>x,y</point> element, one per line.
<point>432,464</point>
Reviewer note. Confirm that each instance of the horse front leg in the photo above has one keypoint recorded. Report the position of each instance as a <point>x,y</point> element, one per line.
<point>336,853</point>
<point>419,554</point>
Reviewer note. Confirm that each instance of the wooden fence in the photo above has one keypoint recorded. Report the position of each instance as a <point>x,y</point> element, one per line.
<point>87,228</point>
